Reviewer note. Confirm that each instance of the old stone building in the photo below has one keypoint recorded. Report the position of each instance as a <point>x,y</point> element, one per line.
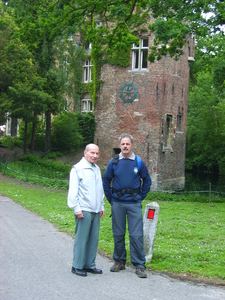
<point>150,102</point>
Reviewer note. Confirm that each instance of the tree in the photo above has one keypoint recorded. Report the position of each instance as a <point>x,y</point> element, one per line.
<point>35,25</point>
<point>21,90</point>
<point>205,128</point>
<point>173,20</point>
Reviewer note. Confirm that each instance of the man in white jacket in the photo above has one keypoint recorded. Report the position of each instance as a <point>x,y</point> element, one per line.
<point>85,197</point>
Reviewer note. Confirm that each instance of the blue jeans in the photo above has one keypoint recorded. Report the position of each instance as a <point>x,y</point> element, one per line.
<point>86,240</point>
<point>133,212</point>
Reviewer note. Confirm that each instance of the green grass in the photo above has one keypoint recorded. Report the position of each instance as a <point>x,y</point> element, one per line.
<point>39,171</point>
<point>190,238</point>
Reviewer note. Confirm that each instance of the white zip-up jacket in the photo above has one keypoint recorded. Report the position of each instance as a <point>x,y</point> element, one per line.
<point>85,188</point>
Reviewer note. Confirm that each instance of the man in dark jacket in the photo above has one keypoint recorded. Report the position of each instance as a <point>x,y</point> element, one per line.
<point>125,194</point>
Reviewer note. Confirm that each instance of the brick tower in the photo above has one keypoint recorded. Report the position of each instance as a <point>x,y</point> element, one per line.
<point>150,102</point>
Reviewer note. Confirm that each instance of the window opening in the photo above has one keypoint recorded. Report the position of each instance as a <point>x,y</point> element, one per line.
<point>177,68</point>
<point>179,119</point>
<point>173,89</point>
<point>87,71</point>
<point>86,105</point>
<point>169,131</point>
<point>139,55</point>
<point>162,127</point>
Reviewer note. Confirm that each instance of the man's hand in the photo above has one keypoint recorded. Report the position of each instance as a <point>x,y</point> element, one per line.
<point>102,212</point>
<point>79,214</point>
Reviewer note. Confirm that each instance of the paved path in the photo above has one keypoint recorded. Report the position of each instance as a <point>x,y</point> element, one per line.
<point>35,263</point>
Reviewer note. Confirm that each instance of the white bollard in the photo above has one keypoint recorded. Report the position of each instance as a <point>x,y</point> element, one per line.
<point>149,225</point>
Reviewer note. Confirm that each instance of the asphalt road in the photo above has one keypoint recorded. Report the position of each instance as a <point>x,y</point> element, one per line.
<point>35,263</point>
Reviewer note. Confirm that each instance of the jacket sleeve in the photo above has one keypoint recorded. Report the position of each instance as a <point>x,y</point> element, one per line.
<point>108,175</point>
<point>147,181</point>
<point>72,199</point>
<point>102,191</point>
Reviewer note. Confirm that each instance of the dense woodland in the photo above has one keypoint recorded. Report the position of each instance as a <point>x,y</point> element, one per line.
<point>34,35</point>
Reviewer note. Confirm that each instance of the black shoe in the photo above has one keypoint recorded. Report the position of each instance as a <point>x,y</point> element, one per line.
<point>93,271</point>
<point>78,272</point>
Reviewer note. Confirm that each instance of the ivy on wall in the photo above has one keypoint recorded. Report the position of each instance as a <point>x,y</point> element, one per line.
<point>111,43</point>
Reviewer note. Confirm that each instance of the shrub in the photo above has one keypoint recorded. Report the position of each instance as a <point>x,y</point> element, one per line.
<point>45,163</point>
<point>11,142</point>
<point>65,132</point>
<point>87,127</point>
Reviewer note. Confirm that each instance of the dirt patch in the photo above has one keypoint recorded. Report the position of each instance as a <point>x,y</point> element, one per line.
<point>72,158</point>
<point>11,155</point>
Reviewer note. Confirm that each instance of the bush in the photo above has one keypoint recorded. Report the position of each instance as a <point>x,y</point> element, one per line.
<point>66,133</point>
<point>87,127</point>
<point>11,142</point>
<point>54,155</point>
<point>44,163</point>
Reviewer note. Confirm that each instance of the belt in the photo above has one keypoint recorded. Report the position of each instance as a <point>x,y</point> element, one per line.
<point>127,191</point>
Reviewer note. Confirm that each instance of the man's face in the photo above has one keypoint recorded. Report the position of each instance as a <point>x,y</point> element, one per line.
<point>126,147</point>
<point>92,155</point>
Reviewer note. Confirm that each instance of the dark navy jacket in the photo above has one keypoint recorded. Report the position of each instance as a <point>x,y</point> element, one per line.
<point>126,176</point>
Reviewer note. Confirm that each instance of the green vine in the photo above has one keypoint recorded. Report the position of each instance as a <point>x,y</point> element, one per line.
<point>111,44</point>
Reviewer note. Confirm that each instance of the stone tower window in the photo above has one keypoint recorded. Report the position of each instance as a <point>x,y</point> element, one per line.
<point>169,119</point>
<point>179,119</point>
<point>139,55</point>
<point>87,71</point>
<point>177,68</point>
<point>86,105</point>
<point>167,132</point>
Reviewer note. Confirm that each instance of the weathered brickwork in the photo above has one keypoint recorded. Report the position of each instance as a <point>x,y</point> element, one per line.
<point>157,118</point>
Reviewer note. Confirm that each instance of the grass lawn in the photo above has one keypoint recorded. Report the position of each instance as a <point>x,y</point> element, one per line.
<point>190,238</point>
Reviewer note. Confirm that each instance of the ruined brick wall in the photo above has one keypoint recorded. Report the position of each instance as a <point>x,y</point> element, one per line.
<point>157,118</point>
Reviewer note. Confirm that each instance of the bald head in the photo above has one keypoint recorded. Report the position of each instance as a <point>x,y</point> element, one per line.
<point>91,153</point>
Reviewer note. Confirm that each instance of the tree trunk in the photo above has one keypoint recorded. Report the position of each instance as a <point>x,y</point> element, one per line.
<point>25,139</point>
<point>32,138</point>
<point>48,132</point>
<point>13,126</point>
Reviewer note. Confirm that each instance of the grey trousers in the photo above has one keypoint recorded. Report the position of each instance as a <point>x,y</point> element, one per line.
<point>133,212</point>
<point>86,240</point>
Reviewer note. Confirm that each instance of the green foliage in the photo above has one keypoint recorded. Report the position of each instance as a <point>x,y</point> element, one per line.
<point>173,20</point>
<point>54,155</point>
<point>11,142</point>
<point>39,135</point>
<point>184,197</point>
<point>69,132</point>
<point>87,127</point>
<point>66,133</point>
<point>54,167</point>
<point>18,74</point>
<point>39,171</point>
<point>205,127</point>
<point>167,30</point>
<point>122,42</point>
